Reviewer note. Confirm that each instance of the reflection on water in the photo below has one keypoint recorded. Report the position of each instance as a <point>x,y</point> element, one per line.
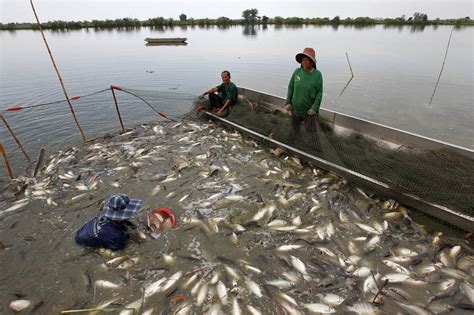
<point>395,70</point>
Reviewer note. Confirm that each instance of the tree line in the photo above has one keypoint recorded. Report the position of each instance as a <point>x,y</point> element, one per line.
<point>249,16</point>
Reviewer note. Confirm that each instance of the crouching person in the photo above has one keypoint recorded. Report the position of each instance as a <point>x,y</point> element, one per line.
<point>109,228</point>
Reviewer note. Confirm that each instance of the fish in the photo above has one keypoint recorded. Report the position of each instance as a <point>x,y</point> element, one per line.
<point>455,273</point>
<point>412,309</point>
<point>465,262</point>
<point>236,307</point>
<point>253,311</point>
<point>19,305</point>
<point>285,297</point>
<point>367,228</point>
<point>333,299</point>
<point>183,198</point>
<point>362,308</point>
<point>319,308</point>
<point>222,292</point>
<point>127,264</point>
<point>197,286</point>
<point>396,277</point>
<point>289,247</point>
<point>168,260</point>
<point>361,272</point>
<point>468,291</point>
<point>232,273</point>
<point>253,287</point>
<point>17,205</point>
<point>247,265</point>
<point>202,294</point>
<point>370,285</point>
<point>78,198</point>
<point>298,265</point>
<point>172,281</point>
<point>154,287</point>
<point>277,223</point>
<point>114,262</point>
<point>104,284</point>
<point>215,309</point>
<point>281,284</point>
<point>396,267</point>
<point>188,282</point>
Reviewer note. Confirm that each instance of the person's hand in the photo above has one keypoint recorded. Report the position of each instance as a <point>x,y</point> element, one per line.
<point>201,96</point>
<point>312,112</point>
<point>288,107</point>
<point>219,112</point>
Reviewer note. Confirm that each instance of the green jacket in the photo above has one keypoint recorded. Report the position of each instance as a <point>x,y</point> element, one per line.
<point>305,91</point>
<point>228,92</point>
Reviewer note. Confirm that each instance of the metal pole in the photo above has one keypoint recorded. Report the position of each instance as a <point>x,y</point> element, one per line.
<point>16,139</point>
<point>5,159</point>
<point>117,108</point>
<point>57,72</point>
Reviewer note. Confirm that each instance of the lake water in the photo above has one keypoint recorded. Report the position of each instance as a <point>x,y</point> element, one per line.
<point>395,73</point>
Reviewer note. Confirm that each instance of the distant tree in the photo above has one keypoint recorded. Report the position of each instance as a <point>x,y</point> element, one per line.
<point>336,20</point>
<point>250,15</point>
<point>419,18</point>
<point>223,21</point>
<point>278,20</point>
<point>265,19</point>
<point>183,17</point>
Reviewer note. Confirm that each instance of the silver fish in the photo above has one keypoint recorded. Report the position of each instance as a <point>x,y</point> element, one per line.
<point>320,308</point>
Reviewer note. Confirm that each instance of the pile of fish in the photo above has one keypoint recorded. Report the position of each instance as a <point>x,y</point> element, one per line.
<point>258,232</point>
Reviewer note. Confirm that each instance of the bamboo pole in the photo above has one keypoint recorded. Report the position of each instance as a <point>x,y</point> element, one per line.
<point>352,75</point>
<point>14,137</point>
<point>5,160</point>
<point>59,75</point>
<point>117,108</point>
<point>442,66</point>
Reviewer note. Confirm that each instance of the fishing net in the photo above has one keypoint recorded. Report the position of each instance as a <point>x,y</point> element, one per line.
<point>442,177</point>
<point>52,125</point>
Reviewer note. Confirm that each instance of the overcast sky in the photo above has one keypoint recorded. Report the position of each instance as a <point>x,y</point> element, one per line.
<point>20,10</point>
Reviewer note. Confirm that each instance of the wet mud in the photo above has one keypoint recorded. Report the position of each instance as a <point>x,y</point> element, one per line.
<point>258,231</point>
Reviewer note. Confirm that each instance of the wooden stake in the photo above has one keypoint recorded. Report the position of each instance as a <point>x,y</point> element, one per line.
<point>117,108</point>
<point>5,159</point>
<point>39,162</point>
<point>16,139</point>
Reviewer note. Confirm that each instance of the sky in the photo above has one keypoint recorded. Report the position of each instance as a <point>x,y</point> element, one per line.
<point>48,10</point>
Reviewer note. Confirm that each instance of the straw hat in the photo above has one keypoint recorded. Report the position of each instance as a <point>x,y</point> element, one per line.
<point>307,52</point>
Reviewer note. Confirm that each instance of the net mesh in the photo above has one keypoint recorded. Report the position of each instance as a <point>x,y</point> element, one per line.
<point>51,124</point>
<point>442,176</point>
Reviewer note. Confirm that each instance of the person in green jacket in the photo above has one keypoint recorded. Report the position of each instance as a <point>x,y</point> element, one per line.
<point>226,97</point>
<point>305,92</point>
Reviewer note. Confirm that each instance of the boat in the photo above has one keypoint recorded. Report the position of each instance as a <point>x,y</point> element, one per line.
<point>166,41</point>
<point>442,195</point>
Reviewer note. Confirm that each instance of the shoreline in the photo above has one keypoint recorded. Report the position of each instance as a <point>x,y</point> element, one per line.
<point>224,22</point>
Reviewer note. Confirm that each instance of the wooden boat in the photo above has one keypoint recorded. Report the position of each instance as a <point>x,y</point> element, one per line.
<point>165,41</point>
<point>395,139</point>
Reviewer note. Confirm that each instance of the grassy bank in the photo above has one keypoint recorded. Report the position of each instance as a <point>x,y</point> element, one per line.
<point>252,18</point>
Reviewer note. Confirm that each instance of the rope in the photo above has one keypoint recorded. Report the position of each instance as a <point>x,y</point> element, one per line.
<point>149,105</point>
<point>54,102</point>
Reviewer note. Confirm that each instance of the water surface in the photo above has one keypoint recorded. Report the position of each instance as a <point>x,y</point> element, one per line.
<point>395,73</point>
